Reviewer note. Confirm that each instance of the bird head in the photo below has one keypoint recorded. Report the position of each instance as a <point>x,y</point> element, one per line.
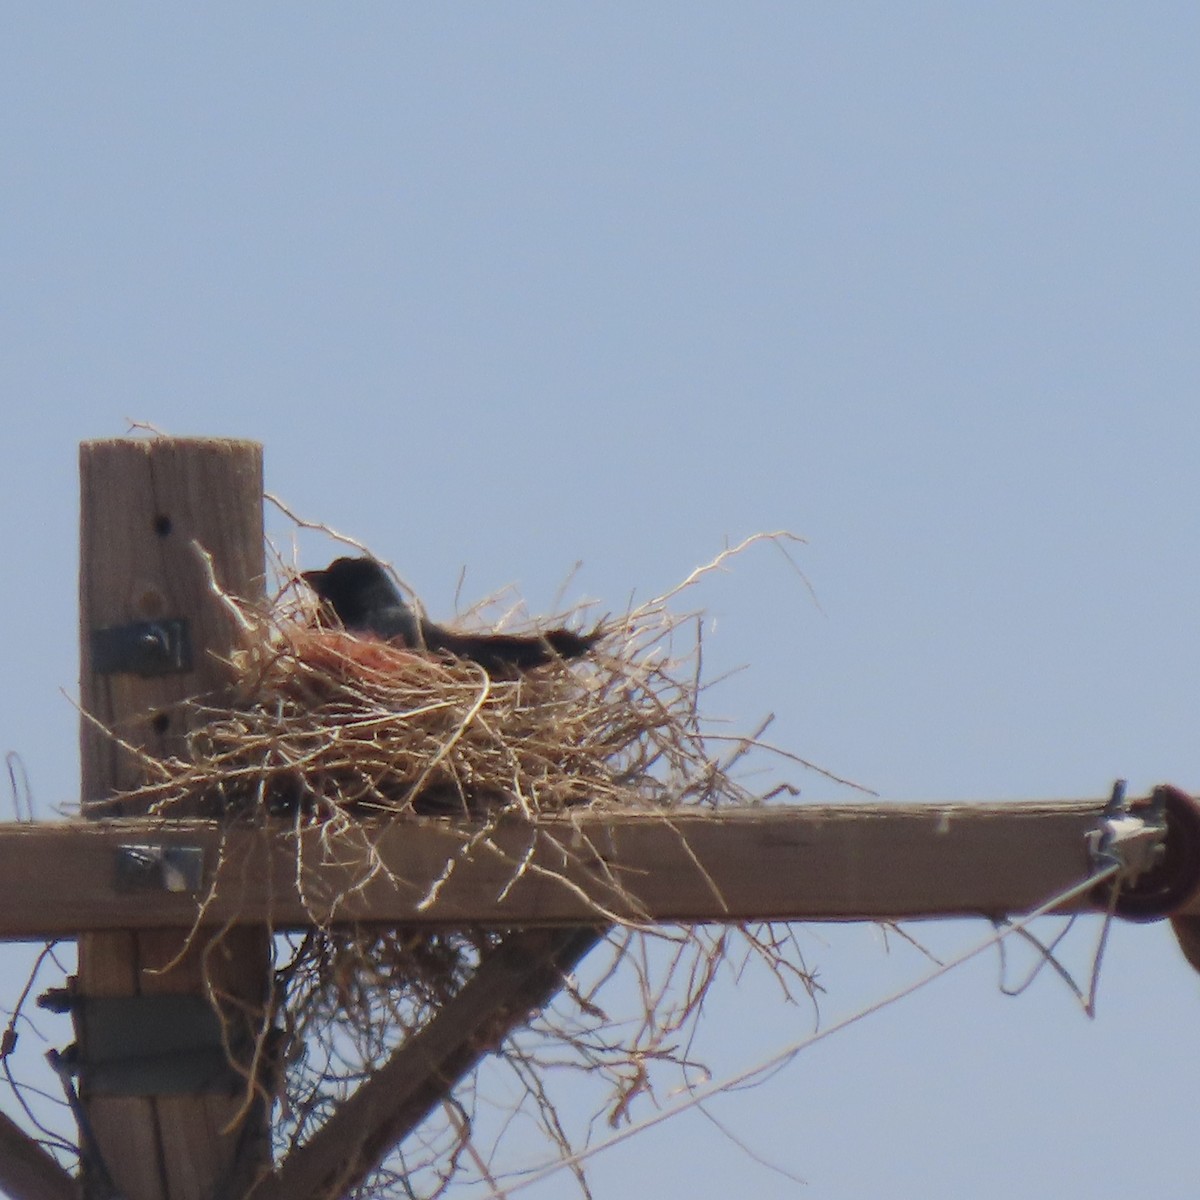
<point>353,588</point>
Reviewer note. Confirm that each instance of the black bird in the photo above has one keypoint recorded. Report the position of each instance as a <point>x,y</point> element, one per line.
<point>364,598</point>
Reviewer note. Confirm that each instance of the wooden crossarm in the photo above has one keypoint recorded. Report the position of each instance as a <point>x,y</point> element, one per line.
<point>804,862</point>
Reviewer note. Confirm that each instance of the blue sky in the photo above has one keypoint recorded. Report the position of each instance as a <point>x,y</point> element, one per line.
<point>507,288</point>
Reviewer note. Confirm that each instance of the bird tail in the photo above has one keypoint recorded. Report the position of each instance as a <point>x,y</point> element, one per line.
<point>501,651</point>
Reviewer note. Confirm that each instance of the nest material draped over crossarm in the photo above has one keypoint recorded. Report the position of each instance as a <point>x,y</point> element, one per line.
<point>328,727</point>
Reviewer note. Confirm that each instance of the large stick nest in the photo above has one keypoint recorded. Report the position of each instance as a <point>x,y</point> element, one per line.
<point>325,728</point>
<point>327,724</point>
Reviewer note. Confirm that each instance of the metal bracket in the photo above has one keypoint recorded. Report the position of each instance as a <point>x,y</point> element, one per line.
<point>143,648</point>
<point>145,867</point>
<point>1155,843</point>
<point>1135,844</point>
<point>167,1045</point>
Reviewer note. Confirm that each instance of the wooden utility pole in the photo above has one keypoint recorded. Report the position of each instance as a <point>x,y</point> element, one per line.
<point>153,634</point>
<point>172,914</point>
